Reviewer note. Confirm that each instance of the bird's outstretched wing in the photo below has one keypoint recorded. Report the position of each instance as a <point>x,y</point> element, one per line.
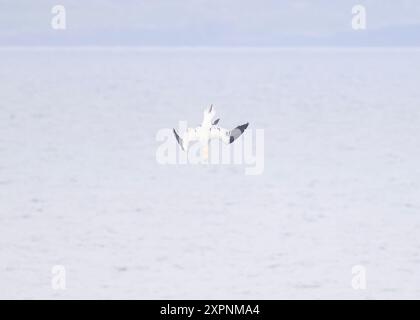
<point>227,136</point>
<point>192,134</point>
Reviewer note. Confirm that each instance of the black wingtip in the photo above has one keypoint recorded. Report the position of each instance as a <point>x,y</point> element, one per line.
<point>237,132</point>
<point>242,127</point>
<point>178,139</point>
<point>215,122</point>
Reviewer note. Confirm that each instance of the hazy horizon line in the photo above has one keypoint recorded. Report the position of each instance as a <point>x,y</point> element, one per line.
<point>208,47</point>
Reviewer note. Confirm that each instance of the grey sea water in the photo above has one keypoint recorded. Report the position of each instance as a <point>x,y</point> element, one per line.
<point>80,185</point>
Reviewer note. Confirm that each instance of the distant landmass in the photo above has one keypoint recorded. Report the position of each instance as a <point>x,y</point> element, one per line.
<point>403,35</point>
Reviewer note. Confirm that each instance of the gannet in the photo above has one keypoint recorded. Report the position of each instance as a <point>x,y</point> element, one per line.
<point>207,131</point>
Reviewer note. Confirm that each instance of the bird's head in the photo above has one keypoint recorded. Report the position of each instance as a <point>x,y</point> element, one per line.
<point>209,112</point>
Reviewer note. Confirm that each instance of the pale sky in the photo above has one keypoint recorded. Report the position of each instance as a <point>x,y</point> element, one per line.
<point>200,22</point>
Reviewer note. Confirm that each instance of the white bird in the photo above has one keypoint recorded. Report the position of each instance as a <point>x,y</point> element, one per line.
<point>207,131</point>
